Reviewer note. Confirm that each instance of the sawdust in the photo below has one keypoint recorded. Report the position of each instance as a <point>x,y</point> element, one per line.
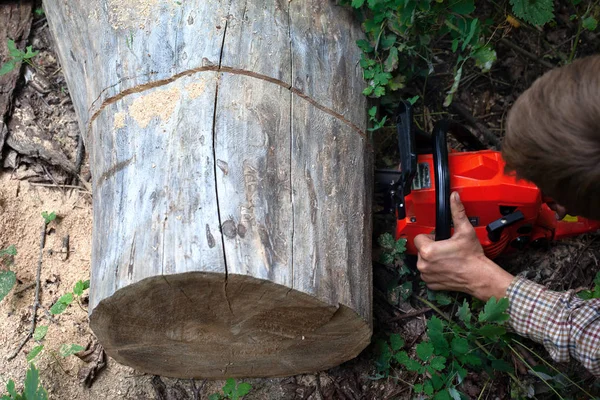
<point>21,205</point>
<point>196,89</point>
<point>160,103</point>
<point>131,14</point>
<point>119,121</point>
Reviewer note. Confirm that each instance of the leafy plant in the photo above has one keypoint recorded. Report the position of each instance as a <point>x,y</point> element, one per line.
<point>16,57</point>
<point>39,12</point>
<point>232,391</point>
<point>392,253</point>
<point>32,387</point>
<point>453,348</point>
<point>7,277</point>
<point>66,299</point>
<point>48,217</point>
<point>400,36</point>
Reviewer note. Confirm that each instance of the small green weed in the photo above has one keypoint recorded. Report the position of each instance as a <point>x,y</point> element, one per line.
<point>232,391</point>
<point>48,217</point>
<point>594,293</point>
<point>17,56</point>
<point>66,299</point>
<point>32,387</point>
<point>7,277</point>
<point>39,12</point>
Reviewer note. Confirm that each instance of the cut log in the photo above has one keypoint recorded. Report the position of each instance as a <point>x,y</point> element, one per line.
<point>232,182</point>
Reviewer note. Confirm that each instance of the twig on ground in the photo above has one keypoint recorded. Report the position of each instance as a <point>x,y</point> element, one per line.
<point>526,53</point>
<point>37,294</point>
<point>463,112</point>
<point>196,390</point>
<point>24,288</point>
<point>57,186</point>
<point>410,314</point>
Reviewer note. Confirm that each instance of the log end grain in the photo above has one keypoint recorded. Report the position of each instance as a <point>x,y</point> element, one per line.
<point>202,325</point>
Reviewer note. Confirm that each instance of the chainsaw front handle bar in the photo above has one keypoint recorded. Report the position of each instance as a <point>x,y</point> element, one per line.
<point>443,216</point>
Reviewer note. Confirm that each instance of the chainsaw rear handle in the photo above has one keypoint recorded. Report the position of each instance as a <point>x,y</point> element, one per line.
<point>443,216</point>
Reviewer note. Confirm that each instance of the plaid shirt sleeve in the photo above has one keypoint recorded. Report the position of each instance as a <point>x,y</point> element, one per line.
<point>566,325</point>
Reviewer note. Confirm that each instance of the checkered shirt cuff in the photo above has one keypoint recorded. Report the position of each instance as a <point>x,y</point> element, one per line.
<point>566,325</point>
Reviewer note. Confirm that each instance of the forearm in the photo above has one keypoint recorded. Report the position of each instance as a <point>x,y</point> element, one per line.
<point>566,325</point>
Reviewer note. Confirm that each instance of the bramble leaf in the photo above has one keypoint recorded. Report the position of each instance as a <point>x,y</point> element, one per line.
<point>438,363</point>
<point>62,304</point>
<point>460,345</point>
<point>589,23</point>
<point>536,12</point>
<point>358,3</point>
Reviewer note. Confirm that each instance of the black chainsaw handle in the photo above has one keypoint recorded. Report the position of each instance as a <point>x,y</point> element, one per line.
<point>443,215</point>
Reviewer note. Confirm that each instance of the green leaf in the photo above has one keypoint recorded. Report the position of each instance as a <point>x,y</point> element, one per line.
<point>243,389</point>
<point>589,23</point>
<point>49,217</point>
<point>464,313</point>
<point>428,387</point>
<point>388,41</point>
<point>30,53</point>
<point>435,329</point>
<point>418,388</point>
<point>471,359</point>
<point>460,346</point>
<point>437,381</point>
<point>62,304</point>
<point>424,350</point>
<point>32,389</point>
<point>358,3</point>
<point>40,332</point>
<point>484,58</point>
<point>34,352</point>
<point>536,12</point>
<point>494,311</point>
<point>12,49</point>
<point>462,6</point>
<point>455,45</point>
<point>7,281</point>
<point>391,62</point>
<point>214,396</point>
<point>473,28</point>
<point>491,331</point>
<point>438,363</point>
<point>443,395</point>
<point>9,251</point>
<point>78,288</point>
<point>384,356</point>
<point>454,88</point>
<point>386,258</point>
<point>365,46</point>
<point>412,101</point>
<point>400,246</point>
<point>372,114</point>
<point>10,387</point>
<point>69,349</point>
<point>379,91</point>
<point>398,82</point>
<point>86,284</point>
<point>405,290</point>
<point>7,67</point>
<point>368,91</point>
<point>442,298</point>
<point>454,394</point>
<point>396,342</point>
<point>413,366</point>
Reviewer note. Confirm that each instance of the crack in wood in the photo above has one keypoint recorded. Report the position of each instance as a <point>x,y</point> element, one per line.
<point>230,70</point>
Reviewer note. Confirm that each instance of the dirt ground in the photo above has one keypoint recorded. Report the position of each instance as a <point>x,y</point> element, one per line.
<point>43,149</point>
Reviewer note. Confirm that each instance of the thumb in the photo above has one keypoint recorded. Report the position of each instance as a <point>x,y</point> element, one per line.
<point>420,240</point>
<point>459,215</point>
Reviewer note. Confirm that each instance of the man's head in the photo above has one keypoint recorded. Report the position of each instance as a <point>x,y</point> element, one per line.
<point>553,136</point>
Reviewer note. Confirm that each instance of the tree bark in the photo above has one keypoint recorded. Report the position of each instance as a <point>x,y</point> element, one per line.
<point>232,182</point>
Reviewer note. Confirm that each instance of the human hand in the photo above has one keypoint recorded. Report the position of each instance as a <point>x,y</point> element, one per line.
<point>459,264</point>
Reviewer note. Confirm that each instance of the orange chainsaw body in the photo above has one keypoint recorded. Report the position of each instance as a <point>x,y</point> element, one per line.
<point>488,195</point>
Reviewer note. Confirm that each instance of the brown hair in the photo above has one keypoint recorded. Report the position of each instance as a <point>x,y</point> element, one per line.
<point>553,136</point>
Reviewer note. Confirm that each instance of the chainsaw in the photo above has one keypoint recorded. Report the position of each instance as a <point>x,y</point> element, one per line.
<point>507,213</point>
